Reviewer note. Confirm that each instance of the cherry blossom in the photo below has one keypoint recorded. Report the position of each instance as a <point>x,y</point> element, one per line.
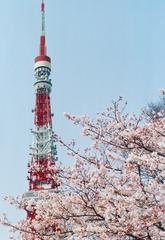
<point>115,189</point>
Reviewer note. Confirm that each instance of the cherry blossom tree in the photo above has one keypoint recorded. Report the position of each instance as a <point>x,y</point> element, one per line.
<point>115,189</point>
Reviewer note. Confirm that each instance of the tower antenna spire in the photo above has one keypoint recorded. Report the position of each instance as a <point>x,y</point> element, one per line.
<point>43,18</point>
<point>42,37</point>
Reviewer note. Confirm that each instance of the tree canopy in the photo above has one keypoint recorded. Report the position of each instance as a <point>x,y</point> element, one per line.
<point>116,187</point>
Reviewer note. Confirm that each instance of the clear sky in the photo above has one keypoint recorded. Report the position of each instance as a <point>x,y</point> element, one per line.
<point>100,49</point>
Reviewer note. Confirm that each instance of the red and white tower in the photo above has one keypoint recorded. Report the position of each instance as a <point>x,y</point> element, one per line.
<point>41,168</point>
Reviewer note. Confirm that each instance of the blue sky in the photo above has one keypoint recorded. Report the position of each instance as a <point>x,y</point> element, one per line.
<point>100,49</point>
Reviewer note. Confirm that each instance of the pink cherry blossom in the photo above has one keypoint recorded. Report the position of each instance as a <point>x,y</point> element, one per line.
<point>115,189</point>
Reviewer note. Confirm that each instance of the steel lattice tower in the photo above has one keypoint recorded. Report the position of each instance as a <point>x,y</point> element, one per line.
<point>41,168</point>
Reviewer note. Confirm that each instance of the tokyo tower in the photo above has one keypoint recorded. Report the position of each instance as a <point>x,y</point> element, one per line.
<point>41,168</point>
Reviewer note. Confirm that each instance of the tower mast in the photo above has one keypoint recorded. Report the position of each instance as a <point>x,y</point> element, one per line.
<point>42,37</point>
